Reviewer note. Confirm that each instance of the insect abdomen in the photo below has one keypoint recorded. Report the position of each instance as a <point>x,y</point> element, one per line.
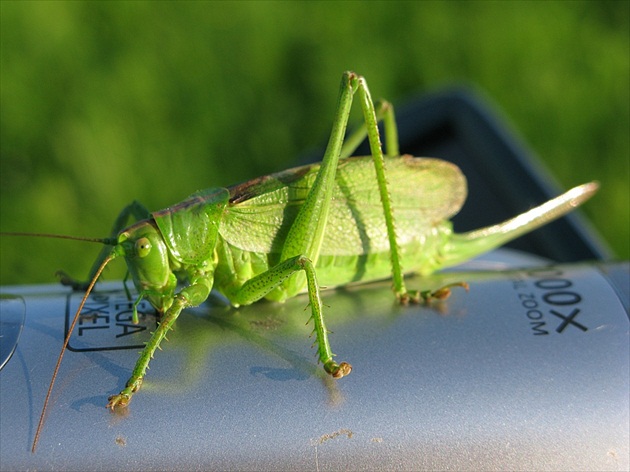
<point>420,254</point>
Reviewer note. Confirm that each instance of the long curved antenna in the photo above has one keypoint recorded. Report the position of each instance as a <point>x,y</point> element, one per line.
<point>65,344</point>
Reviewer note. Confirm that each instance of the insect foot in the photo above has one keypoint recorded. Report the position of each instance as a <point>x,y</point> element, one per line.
<point>118,401</point>
<point>442,293</point>
<point>337,370</point>
<point>427,296</point>
<point>122,399</point>
<point>405,298</point>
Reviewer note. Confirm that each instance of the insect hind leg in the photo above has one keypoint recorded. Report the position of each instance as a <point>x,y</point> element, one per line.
<point>384,113</point>
<point>256,288</point>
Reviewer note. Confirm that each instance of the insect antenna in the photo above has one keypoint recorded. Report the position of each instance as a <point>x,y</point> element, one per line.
<point>108,241</point>
<point>65,342</point>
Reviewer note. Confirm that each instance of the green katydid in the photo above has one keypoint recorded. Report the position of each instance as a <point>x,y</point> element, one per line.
<point>330,224</point>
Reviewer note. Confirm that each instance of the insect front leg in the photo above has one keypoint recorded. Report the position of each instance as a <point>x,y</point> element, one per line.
<point>193,295</point>
<point>256,288</point>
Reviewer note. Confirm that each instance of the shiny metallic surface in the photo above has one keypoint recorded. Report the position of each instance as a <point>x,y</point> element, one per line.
<point>529,370</point>
<point>12,310</point>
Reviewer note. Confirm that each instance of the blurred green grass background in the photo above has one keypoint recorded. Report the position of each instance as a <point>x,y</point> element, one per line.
<point>106,102</point>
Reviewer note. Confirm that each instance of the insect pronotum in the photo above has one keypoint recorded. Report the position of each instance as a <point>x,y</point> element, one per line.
<point>325,224</point>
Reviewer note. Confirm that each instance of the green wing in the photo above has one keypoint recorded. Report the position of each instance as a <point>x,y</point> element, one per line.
<point>424,192</point>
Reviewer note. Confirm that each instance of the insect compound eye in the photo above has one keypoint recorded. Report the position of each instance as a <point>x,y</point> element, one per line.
<point>143,247</point>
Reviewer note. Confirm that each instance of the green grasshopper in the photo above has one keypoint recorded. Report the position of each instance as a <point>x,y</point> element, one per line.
<point>327,224</point>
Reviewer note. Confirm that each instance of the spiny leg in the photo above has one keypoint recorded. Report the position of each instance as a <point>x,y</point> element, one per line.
<point>372,116</point>
<point>307,232</point>
<point>384,112</point>
<point>193,295</point>
<point>321,333</point>
<point>369,114</point>
<point>261,285</point>
<point>134,383</point>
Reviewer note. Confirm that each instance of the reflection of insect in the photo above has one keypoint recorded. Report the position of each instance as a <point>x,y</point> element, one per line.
<point>340,221</point>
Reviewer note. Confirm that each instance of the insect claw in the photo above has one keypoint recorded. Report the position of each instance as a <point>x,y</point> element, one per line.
<point>118,401</point>
<point>442,293</point>
<point>404,298</point>
<point>337,370</point>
